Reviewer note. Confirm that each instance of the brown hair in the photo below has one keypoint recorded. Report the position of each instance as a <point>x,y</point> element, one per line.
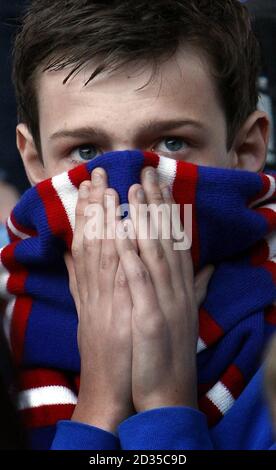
<point>59,33</point>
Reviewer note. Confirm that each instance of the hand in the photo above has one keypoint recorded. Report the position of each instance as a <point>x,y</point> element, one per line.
<point>165,310</point>
<point>103,302</point>
<point>270,378</point>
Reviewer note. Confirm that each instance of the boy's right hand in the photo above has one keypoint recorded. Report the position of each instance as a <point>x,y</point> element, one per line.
<point>103,301</point>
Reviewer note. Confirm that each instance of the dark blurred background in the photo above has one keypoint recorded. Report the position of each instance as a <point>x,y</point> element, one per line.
<point>263,13</point>
<point>11,168</point>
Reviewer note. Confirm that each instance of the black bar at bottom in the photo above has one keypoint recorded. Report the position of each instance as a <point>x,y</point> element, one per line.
<point>125,459</point>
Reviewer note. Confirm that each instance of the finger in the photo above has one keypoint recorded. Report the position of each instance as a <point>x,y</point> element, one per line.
<point>150,248</point>
<point>150,183</point>
<point>155,193</point>
<point>122,301</point>
<point>77,243</point>
<point>158,254</point>
<point>122,296</point>
<point>154,199</point>
<point>270,376</point>
<point>180,254</point>
<point>109,256</point>
<point>93,233</point>
<point>159,205</point>
<point>121,291</point>
<point>202,280</point>
<point>138,277</point>
<point>270,366</point>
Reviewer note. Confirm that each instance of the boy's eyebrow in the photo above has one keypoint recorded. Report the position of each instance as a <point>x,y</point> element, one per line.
<point>88,132</point>
<point>161,126</point>
<point>85,132</point>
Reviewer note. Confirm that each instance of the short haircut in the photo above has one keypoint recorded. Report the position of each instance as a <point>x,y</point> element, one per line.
<point>71,33</point>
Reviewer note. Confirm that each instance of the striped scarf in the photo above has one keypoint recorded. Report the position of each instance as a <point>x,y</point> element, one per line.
<point>233,228</point>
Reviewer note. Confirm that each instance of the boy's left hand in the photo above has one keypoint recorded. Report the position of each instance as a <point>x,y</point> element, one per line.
<point>165,299</point>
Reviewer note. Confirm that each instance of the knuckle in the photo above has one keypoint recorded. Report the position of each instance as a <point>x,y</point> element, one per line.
<point>76,250</point>
<point>156,255</point>
<point>158,252</point>
<point>182,298</point>
<point>164,271</point>
<point>107,260</point>
<point>156,196</point>
<point>154,326</point>
<point>119,328</point>
<point>141,275</point>
<point>123,332</point>
<point>79,210</point>
<point>95,199</point>
<point>121,281</point>
<point>89,244</point>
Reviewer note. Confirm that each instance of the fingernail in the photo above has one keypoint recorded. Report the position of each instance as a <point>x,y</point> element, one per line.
<point>166,193</point>
<point>84,191</point>
<point>97,177</point>
<point>151,175</point>
<point>108,200</point>
<point>140,195</point>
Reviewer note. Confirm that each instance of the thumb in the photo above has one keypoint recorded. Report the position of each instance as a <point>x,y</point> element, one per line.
<point>270,377</point>
<point>202,280</point>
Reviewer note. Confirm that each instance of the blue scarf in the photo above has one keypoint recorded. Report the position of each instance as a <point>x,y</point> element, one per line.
<point>233,228</point>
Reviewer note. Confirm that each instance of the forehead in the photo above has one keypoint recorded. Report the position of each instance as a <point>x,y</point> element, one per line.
<point>181,87</point>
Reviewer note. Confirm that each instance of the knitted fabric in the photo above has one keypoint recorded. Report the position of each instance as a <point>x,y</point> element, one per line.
<point>233,228</point>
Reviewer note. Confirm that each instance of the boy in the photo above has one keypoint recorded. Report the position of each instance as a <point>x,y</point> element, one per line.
<point>177,78</point>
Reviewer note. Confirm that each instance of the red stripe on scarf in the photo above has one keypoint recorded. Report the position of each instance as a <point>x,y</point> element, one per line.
<point>21,313</point>
<point>12,237</point>
<point>151,159</point>
<point>234,380</point>
<point>8,257</point>
<point>259,253</point>
<point>209,330</point>
<point>269,215</point>
<point>266,186</point>
<point>34,378</point>
<point>204,388</point>
<point>77,383</point>
<point>210,410</point>
<point>46,415</point>
<point>22,308</point>
<point>16,282</point>
<point>79,174</point>
<point>188,175</point>
<point>270,315</point>
<point>56,215</point>
<point>271,268</point>
<point>18,274</point>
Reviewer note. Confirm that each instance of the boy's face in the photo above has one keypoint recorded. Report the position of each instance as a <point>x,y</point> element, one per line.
<point>177,114</point>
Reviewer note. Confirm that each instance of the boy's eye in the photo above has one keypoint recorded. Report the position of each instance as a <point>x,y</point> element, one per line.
<point>171,144</point>
<point>85,152</point>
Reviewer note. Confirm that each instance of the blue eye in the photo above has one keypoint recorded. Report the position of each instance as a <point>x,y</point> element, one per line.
<point>85,152</point>
<point>171,144</point>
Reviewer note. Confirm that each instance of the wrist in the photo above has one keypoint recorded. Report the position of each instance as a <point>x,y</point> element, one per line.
<point>104,417</point>
<point>163,401</point>
<point>165,404</point>
<point>106,423</point>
